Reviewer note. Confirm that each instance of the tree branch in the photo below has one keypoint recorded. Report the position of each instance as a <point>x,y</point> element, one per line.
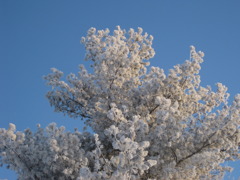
<point>20,158</point>
<point>152,110</point>
<point>82,106</point>
<point>174,155</point>
<point>205,144</point>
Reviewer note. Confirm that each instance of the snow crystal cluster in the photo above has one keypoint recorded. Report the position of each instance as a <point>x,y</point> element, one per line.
<point>147,124</point>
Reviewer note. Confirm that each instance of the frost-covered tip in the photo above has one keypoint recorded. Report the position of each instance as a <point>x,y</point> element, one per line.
<point>192,48</point>
<point>152,162</point>
<point>201,54</point>
<point>12,127</point>
<point>145,144</point>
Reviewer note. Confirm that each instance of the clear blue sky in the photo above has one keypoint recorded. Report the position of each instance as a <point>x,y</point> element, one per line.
<point>38,35</point>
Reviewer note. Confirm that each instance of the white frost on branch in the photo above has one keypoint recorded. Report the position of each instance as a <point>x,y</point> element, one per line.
<point>148,124</point>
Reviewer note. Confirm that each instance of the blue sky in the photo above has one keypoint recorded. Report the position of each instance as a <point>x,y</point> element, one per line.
<point>38,35</point>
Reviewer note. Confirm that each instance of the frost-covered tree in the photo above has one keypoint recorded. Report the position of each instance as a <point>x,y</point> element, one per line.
<point>147,124</point>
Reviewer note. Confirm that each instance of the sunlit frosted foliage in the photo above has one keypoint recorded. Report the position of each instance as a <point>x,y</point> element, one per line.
<point>147,124</point>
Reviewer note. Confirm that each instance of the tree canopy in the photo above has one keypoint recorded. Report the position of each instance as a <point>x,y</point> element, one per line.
<point>147,124</point>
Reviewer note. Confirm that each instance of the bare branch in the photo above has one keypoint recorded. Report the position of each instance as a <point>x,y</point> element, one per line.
<point>174,155</point>
<point>152,110</point>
